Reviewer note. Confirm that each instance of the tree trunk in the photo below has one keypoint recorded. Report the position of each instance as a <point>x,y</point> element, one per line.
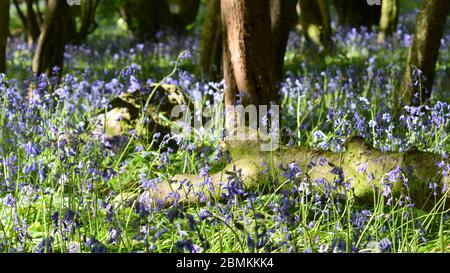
<point>88,24</point>
<point>146,17</point>
<point>32,23</point>
<point>356,13</point>
<point>388,20</point>
<point>315,22</point>
<point>50,49</point>
<point>211,43</point>
<point>418,79</point>
<point>40,17</point>
<point>248,52</point>
<point>22,16</point>
<point>71,31</point>
<point>4,29</point>
<point>283,16</point>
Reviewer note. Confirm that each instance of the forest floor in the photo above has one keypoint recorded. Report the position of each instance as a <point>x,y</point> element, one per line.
<point>66,188</point>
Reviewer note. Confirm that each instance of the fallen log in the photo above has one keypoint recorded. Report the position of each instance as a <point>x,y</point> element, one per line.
<point>365,169</point>
<point>362,166</point>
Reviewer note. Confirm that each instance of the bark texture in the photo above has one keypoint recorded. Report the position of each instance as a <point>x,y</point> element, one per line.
<point>389,19</point>
<point>417,85</point>
<point>248,52</point>
<point>4,29</point>
<point>50,49</point>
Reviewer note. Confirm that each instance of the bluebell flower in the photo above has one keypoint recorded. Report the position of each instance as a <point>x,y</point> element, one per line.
<point>385,245</point>
<point>45,246</point>
<point>204,214</point>
<point>96,246</point>
<point>188,245</point>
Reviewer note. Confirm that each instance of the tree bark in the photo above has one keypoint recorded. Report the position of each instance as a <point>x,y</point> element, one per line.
<point>388,20</point>
<point>283,16</point>
<point>248,52</point>
<point>417,85</point>
<point>315,22</point>
<point>4,30</point>
<point>50,49</point>
<point>211,43</point>
<point>32,23</point>
<point>357,13</point>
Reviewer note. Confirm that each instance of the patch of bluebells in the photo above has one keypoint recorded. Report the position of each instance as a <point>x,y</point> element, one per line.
<point>46,138</point>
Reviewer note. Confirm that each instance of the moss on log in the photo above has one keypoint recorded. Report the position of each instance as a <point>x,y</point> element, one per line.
<point>365,167</point>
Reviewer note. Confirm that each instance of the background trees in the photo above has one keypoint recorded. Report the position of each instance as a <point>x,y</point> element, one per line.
<point>50,48</point>
<point>388,19</point>
<point>210,55</point>
<point>146,18</point>
<point>420,69</point>
<point>282,16</point>
<point>88,23</point>
<point>356,13</point>
<point>101,129</point>
<point>315,21</point>
<point>4,23</point>
<point>31,18</point>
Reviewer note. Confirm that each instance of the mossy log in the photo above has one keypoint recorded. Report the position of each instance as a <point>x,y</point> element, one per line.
<point>125,111</point>
<point>417,168</point>
<point>363,166</point>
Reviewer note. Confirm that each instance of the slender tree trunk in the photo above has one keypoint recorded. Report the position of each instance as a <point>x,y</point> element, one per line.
<point>356,13</point>
<point>50,49</point>
<point>211,42</point>
<point>248,52</point>
<point>283,16</point>
<point>326,21</point>
<point>389,19</point>
<point>315,21</point>
<point>419,74</point>
<point>32,23</point>
<point>4,30</point>
<point>40,17</point>
<point>21,15</point>
<point>88,24</point>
